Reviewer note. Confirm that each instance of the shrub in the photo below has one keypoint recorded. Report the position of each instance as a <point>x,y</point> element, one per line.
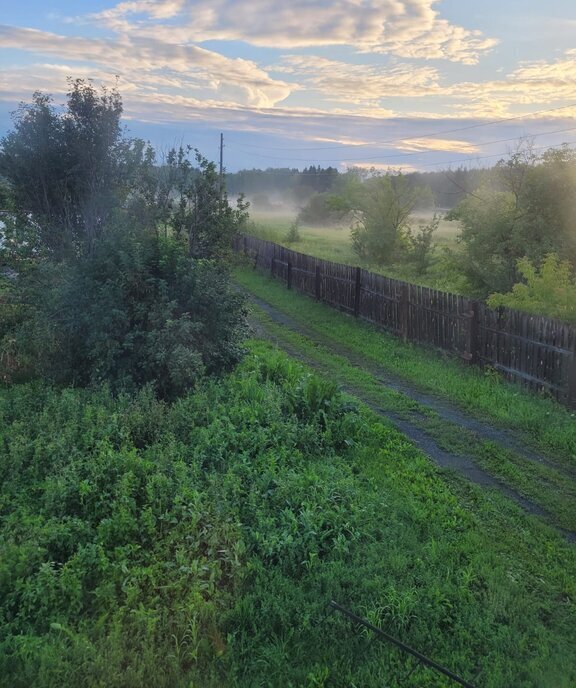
<point>420,246</point>
<point>319,210</point>
<point>135,311</point>
<point>293,233</point>
<point>549,290</point>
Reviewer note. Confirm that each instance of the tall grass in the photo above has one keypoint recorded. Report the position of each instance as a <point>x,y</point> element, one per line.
<point>198,543</point>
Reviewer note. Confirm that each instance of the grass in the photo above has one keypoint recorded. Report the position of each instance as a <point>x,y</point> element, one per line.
<point>482,393</point>
<point>550,488</point>
<point>329,242</point>
<point>198,543</point>
<point>332,242</point>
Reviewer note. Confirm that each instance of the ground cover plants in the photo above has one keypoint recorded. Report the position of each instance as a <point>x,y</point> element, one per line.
<point>198,543</point>
<point>480,392</point>
<point>548,484</point>
<point>178,505</point>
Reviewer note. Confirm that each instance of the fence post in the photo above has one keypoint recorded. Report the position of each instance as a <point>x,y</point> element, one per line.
<point>317,283</point>
<point>572,379</point>
<point>289,276</point>
<point>472,352</point>
<point>403,310</point>
<point>357,287</point>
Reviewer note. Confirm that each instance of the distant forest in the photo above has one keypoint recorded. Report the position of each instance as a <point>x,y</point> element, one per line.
<point>267,187</point>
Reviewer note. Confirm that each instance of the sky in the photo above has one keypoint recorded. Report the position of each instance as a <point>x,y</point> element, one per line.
<point>390,84</point>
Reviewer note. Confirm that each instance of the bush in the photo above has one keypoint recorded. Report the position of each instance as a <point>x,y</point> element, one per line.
<point>319,210</point>
<point>549,290</point>
<point>420,246</point>
<point>293,233</point>
<point>136,311</point>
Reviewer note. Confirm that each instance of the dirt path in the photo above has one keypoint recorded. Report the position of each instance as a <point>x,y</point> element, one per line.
<point>462,464</point>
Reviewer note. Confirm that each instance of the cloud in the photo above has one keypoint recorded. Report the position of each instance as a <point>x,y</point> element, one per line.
<point>406,28</point>
<point>156,64</point>
<point>360,84</point>
<point>541,84</point>
<point>437,144</point>
<point>167,77</point>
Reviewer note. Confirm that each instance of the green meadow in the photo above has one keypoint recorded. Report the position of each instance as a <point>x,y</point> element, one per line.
<point>333,242</point>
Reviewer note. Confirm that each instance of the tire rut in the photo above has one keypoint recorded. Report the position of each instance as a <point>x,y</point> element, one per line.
<point>479,429</point>
<point>459,463</point>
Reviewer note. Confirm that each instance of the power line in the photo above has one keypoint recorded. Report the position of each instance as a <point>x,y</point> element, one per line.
<point>398,643</point>
<point>406,155</point>
<point>486,157</point>
<point>418,136</point>
<point>446,163</point>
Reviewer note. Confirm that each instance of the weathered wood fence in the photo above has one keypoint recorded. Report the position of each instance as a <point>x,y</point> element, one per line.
<point>533,350</point>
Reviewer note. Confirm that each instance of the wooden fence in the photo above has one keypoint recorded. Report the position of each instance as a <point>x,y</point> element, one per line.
<point>533,350</point>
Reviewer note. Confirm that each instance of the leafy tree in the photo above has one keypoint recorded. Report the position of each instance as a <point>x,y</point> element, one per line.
<point>109,296</point>
<point>66,170</point>
<point>190,202</point>
<point>527,209</point>
<point>420,246</point>
<point>550,289</point>
<point>487,255</point>
<point>382,207</point>
<point>211,220</point>
<point>548,204</point>
<point>320,209</point>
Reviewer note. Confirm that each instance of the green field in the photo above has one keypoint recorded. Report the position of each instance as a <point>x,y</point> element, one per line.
<point>332,242</point>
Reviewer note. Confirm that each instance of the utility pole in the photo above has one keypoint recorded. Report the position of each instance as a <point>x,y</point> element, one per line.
<point>221,168</point>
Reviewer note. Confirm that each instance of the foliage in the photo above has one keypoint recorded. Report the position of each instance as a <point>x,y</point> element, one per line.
<point>211,220</point>
<point>381,207</point>
<point>66,170</point>
<point>198,543</point>
<point>135,311</point>
<point>186,201</point>
<point>420,246</point>
<point>157,190</point>
<point>319,209</point>
<point>101,296</point>
<point>527,209</point>
<point>488,253</point>
<point>550,289</point>
<point>293,233</point>
<point>71,173</point>
<point>312,180</point>
<point>549,425</point>
<point>446,187</point>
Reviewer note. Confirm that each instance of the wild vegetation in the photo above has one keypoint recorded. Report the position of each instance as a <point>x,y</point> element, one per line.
<point>443,398</point>
<point>178,505</point>
<point>100,290</point>
<point>199,542</point>
<point>517,218</point>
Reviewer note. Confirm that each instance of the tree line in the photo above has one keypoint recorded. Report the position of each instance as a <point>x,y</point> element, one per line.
<point>445,188</point>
